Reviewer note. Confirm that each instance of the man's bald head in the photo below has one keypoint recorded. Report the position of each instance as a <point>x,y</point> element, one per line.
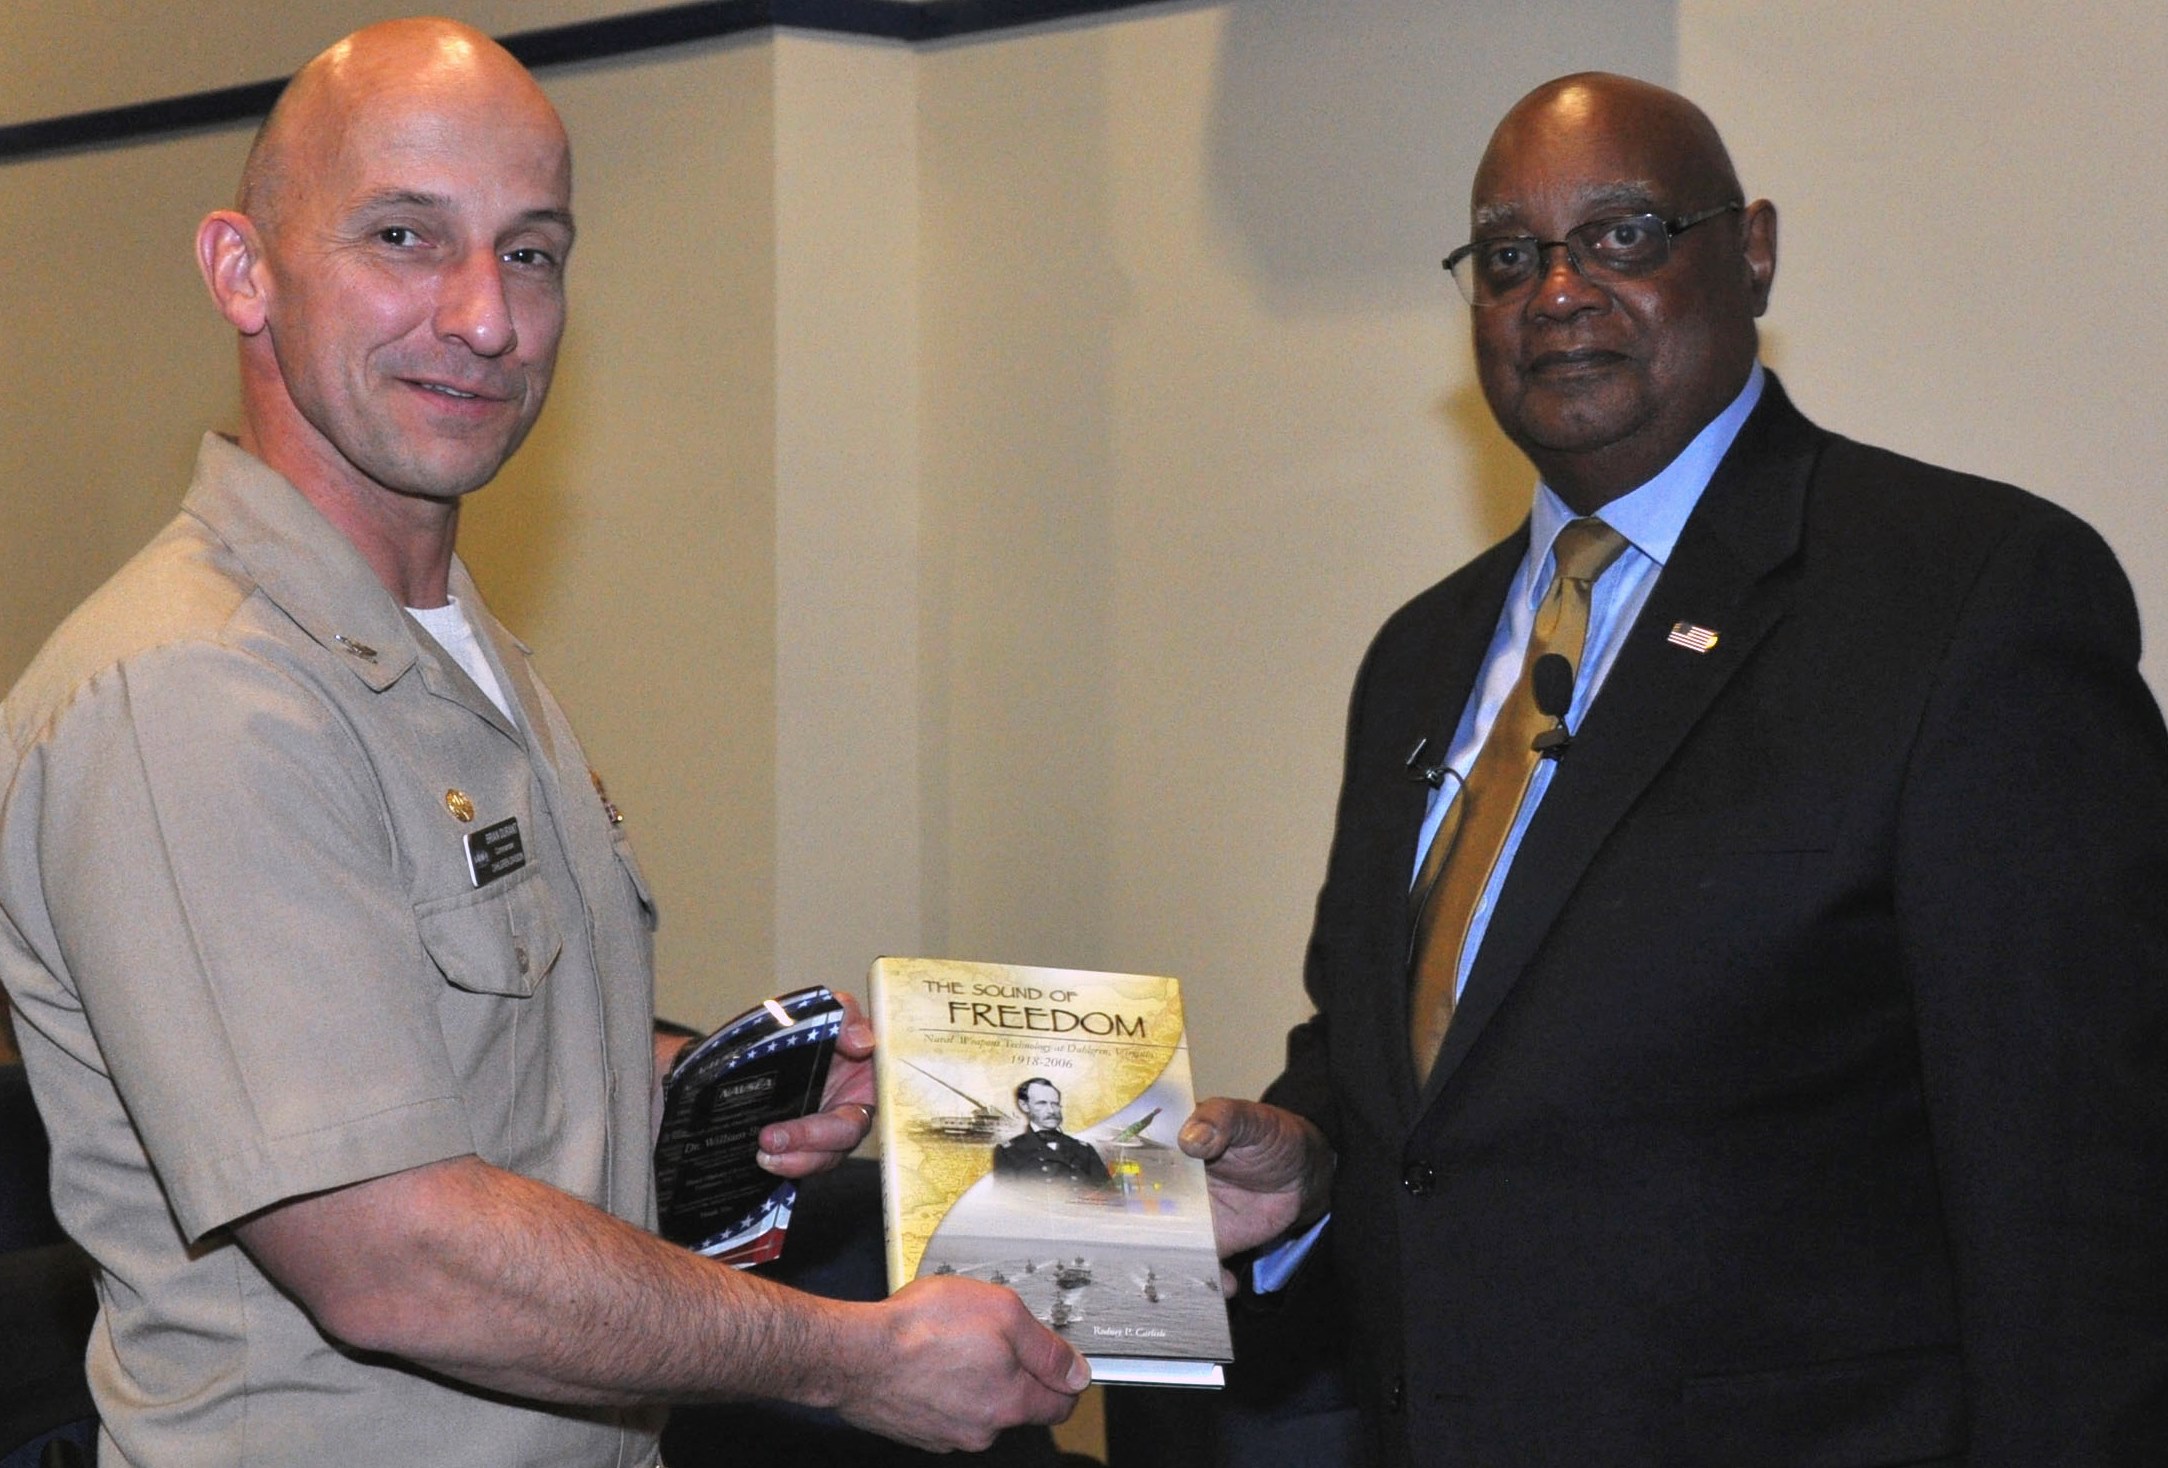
<point>1604,376</point>
<point>1666,123</point>
<point>316,105</point>
<point>397,268</point>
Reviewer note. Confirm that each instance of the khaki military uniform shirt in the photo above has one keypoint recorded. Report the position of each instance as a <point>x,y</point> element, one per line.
<point>253,959</point>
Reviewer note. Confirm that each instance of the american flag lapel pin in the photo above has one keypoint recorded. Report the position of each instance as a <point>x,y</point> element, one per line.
<point>1691,636</point>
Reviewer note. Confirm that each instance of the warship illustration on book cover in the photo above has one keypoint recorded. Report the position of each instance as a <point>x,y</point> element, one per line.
<point>1027,1119</point>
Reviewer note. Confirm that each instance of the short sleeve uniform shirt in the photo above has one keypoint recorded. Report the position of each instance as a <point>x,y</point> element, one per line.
<point>289,904</point>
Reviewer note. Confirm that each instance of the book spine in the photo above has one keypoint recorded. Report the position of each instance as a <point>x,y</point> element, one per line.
<point>887,1117</point>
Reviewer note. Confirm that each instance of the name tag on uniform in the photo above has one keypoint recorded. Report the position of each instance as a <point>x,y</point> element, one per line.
<point>495,851</point>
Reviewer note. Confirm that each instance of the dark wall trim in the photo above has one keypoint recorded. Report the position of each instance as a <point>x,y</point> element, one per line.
<point>591,40</point>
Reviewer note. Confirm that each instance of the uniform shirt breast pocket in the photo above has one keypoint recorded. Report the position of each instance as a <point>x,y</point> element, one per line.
<point>499,939</point>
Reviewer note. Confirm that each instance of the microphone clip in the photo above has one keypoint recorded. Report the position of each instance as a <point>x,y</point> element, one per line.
<point>1431,775</point>
<point>1551,684</point>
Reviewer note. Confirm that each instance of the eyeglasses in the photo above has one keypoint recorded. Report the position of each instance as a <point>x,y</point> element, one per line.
<point>1497,271</point>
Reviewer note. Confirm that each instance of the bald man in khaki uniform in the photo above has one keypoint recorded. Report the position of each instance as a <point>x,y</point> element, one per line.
<point>332,961</point>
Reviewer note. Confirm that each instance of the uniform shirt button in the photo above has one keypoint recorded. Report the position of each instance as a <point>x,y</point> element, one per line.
<point>1417,1177</point>
<point>519,956</point>
<point>1396,1400</point>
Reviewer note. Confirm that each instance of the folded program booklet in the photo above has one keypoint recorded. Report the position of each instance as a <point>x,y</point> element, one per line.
<point>767,1065</point>
<point>1027,1123</point>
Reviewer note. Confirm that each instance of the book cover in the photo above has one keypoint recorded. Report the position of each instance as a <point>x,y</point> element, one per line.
<point>1027,1120</point>
<point>766,1065</point>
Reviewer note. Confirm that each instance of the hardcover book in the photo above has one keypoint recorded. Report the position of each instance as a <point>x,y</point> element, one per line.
<point>1027,1120</point>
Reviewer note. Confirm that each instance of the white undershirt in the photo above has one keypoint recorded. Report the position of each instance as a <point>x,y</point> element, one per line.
<point>448,624</point>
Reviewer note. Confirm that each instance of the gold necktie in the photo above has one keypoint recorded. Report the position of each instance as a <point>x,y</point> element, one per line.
<point>1458,865</point>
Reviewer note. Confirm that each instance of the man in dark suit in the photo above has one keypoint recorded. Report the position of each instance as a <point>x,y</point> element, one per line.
<point>1800,1096</point>
<point>1042,1151</point>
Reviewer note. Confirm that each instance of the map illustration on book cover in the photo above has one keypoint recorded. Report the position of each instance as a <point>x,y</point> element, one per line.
<point>1027,1120</point>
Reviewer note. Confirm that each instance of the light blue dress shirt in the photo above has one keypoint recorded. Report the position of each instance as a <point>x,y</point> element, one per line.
<point>1650,516</point>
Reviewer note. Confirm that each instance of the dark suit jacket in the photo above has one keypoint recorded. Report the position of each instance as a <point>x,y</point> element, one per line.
<point>1806,1103</point>
<point>1035,1154</point>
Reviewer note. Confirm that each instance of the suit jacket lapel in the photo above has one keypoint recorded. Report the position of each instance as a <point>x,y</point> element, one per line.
<point>1448,660</point>
<point>1460,638</point>
<point>1728,572</point>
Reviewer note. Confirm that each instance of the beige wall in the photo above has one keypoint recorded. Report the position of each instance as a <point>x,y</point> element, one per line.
<point>111,364</point>
<point>1967,195</point>
<point>976,470</point>
<point>846,856</point>
<point>632,541</point>
<point>1199,416</point>
<point>63,57</point>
